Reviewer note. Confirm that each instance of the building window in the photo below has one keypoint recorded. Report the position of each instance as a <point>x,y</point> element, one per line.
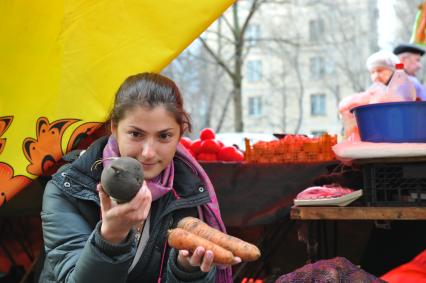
<point>252,35</point>
<point>316,29</point>
<point>254,70</point>
<point>255,106</point>
<point>317,67</point>
<point>318,105</point>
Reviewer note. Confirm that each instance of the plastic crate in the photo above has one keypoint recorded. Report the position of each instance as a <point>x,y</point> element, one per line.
<point>395,184</point>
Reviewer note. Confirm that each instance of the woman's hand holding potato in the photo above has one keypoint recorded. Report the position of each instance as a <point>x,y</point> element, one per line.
<point>117,220</point>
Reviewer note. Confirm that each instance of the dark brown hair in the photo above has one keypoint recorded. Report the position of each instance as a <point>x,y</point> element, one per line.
<point>149,90</point>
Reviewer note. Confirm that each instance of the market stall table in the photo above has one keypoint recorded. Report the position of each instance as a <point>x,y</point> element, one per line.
<point>253,194</point>
<point>316,215</point>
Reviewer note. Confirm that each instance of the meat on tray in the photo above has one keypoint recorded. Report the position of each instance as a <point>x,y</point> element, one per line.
<point>320,192</point>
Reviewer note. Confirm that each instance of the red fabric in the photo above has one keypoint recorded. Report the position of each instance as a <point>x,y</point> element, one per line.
<point>28,234</point>
<point>413,271</point>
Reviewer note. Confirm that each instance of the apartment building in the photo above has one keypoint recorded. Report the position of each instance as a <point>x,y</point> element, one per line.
<point>299,59</point>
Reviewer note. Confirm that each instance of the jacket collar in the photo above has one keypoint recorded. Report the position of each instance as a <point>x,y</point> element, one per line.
<point>86,165</point>
<point>186,182</point>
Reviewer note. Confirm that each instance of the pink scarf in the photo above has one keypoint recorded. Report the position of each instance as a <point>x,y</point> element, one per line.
<point>163,183</point>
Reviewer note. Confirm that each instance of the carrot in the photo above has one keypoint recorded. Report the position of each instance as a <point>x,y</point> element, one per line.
<point>183,240</point>
<point>240,248</point>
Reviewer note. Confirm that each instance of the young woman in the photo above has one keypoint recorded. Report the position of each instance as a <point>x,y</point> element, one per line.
<point>90,238</point>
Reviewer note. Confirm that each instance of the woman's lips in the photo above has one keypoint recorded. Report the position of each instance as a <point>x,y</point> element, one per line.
<point>147,166</point>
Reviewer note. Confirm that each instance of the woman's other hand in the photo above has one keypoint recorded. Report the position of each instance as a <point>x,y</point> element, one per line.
<point>118,219</point>
<point>200,258</point>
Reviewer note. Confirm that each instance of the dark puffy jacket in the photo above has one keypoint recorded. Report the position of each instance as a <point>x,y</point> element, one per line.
<point>75,251</point>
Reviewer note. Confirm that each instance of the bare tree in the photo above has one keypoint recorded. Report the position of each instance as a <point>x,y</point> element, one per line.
<point>344,45</point>
<point>350,42</point>
<point>342,50</point>
<point>289,51</point>
<point>189,72</point>
<point>232,66</point>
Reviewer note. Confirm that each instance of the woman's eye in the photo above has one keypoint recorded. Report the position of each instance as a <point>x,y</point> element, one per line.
<point>165,136</point>
<point>135,134</point>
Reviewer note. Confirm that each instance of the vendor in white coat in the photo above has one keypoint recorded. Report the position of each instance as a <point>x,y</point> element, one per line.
<point>381,66</point>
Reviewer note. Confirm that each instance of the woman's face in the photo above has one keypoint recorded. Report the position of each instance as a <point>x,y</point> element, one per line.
<point>381,75</point>
<point>148,135</point>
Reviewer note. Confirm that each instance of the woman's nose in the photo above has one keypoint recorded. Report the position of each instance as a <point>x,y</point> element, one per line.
<point>148,150</point>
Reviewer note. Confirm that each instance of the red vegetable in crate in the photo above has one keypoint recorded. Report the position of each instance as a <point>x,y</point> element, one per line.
<point>238,155</point>
<point>196,146</point>
<point>206,134</point>
<point>186,142</point>
<point>192,153</point>
<point>230,153</point>
<point>210,146</point>
<point>207,156</point>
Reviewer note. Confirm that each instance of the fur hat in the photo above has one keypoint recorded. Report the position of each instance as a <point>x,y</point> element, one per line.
<point>408,48</point>
<point>382,58</point>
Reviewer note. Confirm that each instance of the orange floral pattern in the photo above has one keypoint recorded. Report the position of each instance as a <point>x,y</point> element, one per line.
<point>9,182</point>
<point>46,150</point>
<point>4,125</point>
<point>82,133</point>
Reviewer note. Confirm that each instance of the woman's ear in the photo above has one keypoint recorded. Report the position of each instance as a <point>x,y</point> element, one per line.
<point>113,130</point>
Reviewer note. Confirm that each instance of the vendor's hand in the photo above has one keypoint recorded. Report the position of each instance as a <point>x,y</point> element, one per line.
<point>200,258</point>
<point>118,219</point>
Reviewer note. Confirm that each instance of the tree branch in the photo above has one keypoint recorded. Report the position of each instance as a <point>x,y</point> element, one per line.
<point>224,111</point>
<point>227,39</point>
<point>253,8</point>
<point>229,25</point>
<point>218,60</point>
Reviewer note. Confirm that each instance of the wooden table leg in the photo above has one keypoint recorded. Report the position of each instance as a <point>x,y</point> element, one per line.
<point>308,233</point>
<point>312,241</point>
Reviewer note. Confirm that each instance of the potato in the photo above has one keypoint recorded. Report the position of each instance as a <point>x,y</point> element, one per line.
<point>122,179</point>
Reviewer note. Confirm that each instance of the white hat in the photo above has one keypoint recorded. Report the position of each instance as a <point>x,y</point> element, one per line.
<point>382,58</point>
